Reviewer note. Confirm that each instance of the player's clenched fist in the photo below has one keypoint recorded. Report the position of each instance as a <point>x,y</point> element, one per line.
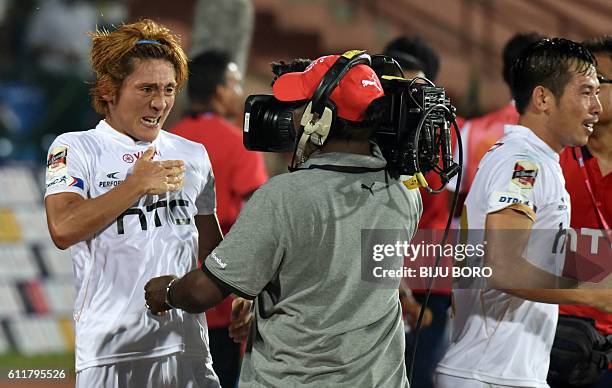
<point>158,177</point>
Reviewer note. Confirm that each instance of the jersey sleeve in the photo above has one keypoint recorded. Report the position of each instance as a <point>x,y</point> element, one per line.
<point>66,168</point>
<point>206,200</point>
<point>512,183</point>
<point>249,257</point>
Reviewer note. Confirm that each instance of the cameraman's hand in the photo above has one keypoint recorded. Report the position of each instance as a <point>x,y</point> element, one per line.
<point>411,308</point>
<point>157,177</point>
<point>240,324</point>
<point>155,294</point>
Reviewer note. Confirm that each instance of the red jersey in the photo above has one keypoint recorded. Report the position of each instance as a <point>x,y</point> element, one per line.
<point>478,135</point>
<point>238,172</point>
<point>585,216</point>
<point>435,206</point>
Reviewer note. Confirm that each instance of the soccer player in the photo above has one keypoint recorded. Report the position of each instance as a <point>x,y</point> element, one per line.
<point>503,332</point>
<point>215,99</point>
<point>133,201</point>
<point>480,133</point>
<point>296,248</point>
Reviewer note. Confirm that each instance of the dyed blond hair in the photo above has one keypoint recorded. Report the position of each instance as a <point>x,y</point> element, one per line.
<point>113,54</point>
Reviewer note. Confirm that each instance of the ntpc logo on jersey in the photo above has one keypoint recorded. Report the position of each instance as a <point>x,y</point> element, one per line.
<point>131,158</point>
<point>176,212</point>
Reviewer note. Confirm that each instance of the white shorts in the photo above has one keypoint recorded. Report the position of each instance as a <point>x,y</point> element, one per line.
<point>446,381</point>
<point>173,371</point>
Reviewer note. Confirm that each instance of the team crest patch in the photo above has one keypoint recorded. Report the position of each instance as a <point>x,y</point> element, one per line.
<point>57,159</point>
<point>525,173</point>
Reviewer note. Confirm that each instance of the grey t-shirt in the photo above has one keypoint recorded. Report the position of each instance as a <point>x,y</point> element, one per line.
<point>296,249</point>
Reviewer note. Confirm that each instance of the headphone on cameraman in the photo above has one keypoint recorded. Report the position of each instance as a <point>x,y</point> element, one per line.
<point>320,113</point>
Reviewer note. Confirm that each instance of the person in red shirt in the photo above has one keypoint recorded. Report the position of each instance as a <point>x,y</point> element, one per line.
<point>479,134</point>
<point>216,99</point>
<point>592,204</point>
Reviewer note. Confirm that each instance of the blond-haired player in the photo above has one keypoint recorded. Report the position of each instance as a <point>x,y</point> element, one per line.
<point>129,199</point>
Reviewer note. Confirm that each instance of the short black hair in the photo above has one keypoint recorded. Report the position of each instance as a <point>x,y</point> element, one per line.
<point>598,45</point>
<point>297,65</point>
<point>414,53</point>
<point>513,49</point>
<point>550,63</point>
<point>207,71</point>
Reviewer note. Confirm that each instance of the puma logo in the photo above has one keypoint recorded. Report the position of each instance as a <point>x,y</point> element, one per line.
<point>367,82</point>
<point>369,188</point>
<point>371,82</point>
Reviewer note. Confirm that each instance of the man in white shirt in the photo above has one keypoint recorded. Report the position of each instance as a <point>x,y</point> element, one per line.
<point>129,209</point>
<point>503,338</point>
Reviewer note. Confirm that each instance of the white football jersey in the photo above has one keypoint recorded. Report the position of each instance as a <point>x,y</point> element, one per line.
<point>498,338</point>
<point>155,236</point>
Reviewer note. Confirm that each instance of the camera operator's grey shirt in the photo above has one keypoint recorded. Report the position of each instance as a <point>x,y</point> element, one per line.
<point>296,247</point>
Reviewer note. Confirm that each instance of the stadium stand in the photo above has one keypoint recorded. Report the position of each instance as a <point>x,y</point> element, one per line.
<point>36,291</point>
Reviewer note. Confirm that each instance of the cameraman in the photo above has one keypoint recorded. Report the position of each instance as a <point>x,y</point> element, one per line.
<point>296,250</point>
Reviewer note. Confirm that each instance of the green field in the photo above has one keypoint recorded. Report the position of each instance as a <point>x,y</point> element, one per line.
<point>14,360</point>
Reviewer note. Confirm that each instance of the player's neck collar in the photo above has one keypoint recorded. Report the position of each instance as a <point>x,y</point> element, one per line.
<point>106,128</point>
<point>533,139</point>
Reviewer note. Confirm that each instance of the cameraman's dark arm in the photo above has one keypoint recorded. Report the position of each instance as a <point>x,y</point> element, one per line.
<point>209,234</point>
<point>195,292</point>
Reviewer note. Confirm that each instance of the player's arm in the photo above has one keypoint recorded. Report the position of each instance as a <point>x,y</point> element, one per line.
<point>516,276</point>
<point>71,218</point>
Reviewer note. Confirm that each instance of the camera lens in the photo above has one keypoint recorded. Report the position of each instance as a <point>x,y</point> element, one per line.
<point>280,120</point>
<point>269,124</point>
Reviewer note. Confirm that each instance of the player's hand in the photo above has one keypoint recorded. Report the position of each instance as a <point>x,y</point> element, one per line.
<point>240,324</point>
<point>603,300</point>
<point>155,294</point>
<point>413,317</point>
<point>158,177</point>
<point>411,308</point>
